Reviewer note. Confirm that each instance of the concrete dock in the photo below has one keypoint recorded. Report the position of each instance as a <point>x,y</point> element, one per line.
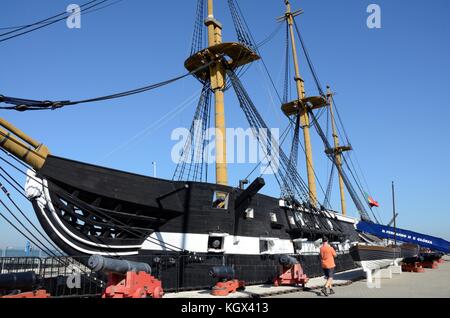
<point>433,283</point>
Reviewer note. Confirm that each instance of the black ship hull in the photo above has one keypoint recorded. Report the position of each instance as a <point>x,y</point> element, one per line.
<point>178,227</point>
<point>186,272</point>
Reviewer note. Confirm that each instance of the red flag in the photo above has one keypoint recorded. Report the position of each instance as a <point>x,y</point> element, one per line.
<point>372,202</point>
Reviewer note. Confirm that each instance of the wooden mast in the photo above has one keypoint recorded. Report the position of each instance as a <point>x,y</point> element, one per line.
<point>217,76</point>
<point>300,106</point>
<point>337,151</point>
<point>220,57</point>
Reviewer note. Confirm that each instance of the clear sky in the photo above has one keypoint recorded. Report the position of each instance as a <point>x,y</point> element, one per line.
<point>392,89</point>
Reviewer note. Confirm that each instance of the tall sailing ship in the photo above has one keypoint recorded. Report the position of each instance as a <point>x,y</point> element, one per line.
<point>186,225</point>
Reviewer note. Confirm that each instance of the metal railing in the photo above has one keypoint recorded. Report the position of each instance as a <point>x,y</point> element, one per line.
<point>61,276</point>
<point>10,265</point>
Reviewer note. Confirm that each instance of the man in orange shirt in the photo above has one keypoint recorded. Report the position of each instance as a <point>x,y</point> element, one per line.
<point>327,255</point>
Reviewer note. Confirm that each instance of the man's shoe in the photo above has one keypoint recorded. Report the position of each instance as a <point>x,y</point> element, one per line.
<point>332,291</point>
<point>324,291</point>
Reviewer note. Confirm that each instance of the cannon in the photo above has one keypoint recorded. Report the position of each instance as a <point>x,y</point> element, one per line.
<point>21,285</point>
<point>290,272</point>
<point>19,281</point>
<point>226,281</point>
<point>287,260</point>
<point>99,263</point>
<point>222,272</point>
<point>126,279</point>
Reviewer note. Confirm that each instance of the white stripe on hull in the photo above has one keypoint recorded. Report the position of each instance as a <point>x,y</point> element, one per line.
<point>198,243</point>
<point>237,245</point>
<point>375,264</point>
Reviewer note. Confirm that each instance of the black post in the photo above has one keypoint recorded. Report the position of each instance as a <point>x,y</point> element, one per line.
<point>393,211</point>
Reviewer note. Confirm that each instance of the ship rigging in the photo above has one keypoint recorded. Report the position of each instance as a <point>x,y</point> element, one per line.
<point>95,210</point>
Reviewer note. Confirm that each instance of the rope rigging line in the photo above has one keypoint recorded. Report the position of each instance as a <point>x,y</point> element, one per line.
<point>66,15</point>
<point>330,172</point>
<point>315,123</point>
<point>7,193</point>
<point>351,167</point>
<point>251,117</point>
<point>43,248</point>
<point>295,143</point>
<point>287,71</point>
<point>244,28</point>
<point>365,181</point>
<point>308,59</point>
<point>23,214</point>
<point>356,176</point>
<point>197,37</point>
<point>360,170</point>
<point>356,200</point>
<point>40,245</point>
<point>49,252</point>
<point>243,70</point>
<point>358,186</point>
<point>283,137</point>
<point>270,37</point>
<point>15,28</point>
<point>286,96</point>
<point>23,27</point>
<point>154,125</point>
<point>291,182</point>
<point>27,104</point>
<point>341,124</point>
<point>34,239</point>
<point>192,157</point>
<point>326,201</point>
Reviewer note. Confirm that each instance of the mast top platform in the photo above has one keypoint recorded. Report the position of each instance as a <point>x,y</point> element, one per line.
<point>338,150</point>
<point>235,54</point>
<point>297,106</point>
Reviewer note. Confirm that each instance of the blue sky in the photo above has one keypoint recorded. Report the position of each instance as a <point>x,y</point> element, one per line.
<point>391,89</point>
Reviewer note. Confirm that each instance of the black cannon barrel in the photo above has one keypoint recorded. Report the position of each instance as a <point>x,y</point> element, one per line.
<point>99,263</point>
<point>251,191</point>
<point>287,260</point>
<point>222,272</point>
<point>19,281</point>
